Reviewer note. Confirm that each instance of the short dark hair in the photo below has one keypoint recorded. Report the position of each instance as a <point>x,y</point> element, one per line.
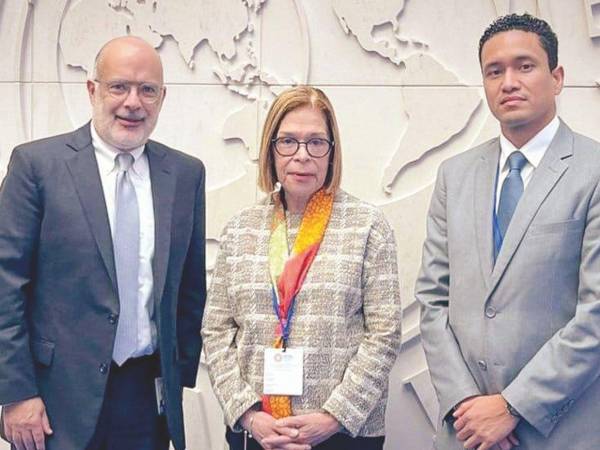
<point>525,22</point>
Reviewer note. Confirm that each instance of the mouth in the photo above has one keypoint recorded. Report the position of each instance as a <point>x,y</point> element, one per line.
<point>129,121</point>
<point>511,100</point>
<point>301,174</point>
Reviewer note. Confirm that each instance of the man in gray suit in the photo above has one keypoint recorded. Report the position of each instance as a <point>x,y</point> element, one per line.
<point>510,280</point>
<point>102,273</point>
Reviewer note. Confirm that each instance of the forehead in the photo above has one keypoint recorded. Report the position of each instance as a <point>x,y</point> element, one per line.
<point>512,44</point>
<point>131,62</point>
<point>305,115</point>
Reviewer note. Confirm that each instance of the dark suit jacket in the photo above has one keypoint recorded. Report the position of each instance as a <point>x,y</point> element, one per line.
<point>58,293</point>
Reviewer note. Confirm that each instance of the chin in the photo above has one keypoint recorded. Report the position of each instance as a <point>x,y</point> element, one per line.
<point>129,142</point>
<point>516,123</point>
<point>514,119</point>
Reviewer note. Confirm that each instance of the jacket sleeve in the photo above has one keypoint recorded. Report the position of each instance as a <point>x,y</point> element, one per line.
<point>569,362</point>
<point>219,330</point>
<point>21,213</point>
<point>192,293</point>
<point>449,372</point>
<point>366,377</point>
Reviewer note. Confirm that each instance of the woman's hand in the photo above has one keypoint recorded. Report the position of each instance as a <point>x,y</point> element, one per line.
<point>310,429</point>
<point>264,430</point>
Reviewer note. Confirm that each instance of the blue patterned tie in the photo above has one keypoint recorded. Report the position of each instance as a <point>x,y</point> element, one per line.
<point>511,192</point>
<point>126,242</point>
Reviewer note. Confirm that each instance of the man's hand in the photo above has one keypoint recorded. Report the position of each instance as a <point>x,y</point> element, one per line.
<point>483,421</point>
<point>312,429</point>
<point>26,424</point>
<point>264,430</point>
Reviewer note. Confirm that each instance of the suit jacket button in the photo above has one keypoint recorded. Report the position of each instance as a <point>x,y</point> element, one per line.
<point>103,368</point>
<point>490,312</point>
<point>112,319</point>
<point>482,364</point>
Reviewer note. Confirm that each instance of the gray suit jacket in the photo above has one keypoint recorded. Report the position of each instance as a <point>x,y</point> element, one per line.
<point>58,294</point>
<point>527,326</point>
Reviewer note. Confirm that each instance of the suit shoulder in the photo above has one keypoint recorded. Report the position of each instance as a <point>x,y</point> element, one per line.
<point>586,158</point>
<point>350,209</point>
<point>587,145</point>
<point>457,166</point>
<point>250,216</point>
<point>471,155</point>
<point>353,205</point>
<point>254,219</point>
<point>179,157</point>
<point>43,146</point>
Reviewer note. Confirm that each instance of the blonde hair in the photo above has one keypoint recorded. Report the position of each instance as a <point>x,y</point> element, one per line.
<point>284,103</point>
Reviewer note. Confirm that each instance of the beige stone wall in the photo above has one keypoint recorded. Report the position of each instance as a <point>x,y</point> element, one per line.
<point>403,76</point>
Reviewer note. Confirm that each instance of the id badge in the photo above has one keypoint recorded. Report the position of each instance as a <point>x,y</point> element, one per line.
<point>284,371</point>
<point>160,395</point>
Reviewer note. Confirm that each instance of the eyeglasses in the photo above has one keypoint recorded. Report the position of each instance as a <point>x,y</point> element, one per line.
<point>315,147</point>
<point>119,89</point>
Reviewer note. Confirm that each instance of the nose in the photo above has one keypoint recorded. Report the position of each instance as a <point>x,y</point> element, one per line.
<point>510,81</point>
<point>132,101</point>
<point>302,153</point>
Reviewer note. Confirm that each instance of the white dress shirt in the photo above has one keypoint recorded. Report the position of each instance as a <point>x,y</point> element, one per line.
<point>534,150</point>
<point>140,177</point>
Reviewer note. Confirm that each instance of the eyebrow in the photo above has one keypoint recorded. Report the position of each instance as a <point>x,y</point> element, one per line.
<point>124,80</point>
<point>525,57</point>
<point>520,58</point>
<point>292,134</point>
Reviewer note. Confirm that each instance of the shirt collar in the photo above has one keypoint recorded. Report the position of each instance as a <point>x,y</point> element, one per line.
<point>534,149</point>
<point>106,154</point>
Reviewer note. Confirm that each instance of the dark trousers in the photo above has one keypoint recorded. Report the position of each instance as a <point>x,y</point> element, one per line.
<point>336,442</point>
<point>129,419</point>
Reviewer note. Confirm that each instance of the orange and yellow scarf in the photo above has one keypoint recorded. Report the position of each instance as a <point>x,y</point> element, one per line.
<point>288,272</point>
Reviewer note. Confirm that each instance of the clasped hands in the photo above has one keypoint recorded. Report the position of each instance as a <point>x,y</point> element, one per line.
<point>291,433</point>
<point>484,421</point>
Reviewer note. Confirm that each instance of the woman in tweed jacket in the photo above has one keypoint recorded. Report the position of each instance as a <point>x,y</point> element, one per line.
<point>346,315</point>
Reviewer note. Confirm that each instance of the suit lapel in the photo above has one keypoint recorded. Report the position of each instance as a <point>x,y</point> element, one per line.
<point>483,196</point>
<point>551,168</point>
<point>84,170</point>
<point>163,193</point>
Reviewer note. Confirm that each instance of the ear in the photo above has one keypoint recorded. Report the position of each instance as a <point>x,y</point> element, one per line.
<point>558,74</point>
<point>91,88</point>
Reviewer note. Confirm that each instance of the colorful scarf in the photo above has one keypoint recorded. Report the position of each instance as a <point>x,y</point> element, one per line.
<point>288,273</point>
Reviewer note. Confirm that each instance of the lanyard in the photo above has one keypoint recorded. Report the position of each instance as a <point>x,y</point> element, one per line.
<point>284,322</point>
<point>287,268</point>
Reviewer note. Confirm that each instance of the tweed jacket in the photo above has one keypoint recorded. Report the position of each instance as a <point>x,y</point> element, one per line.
<point>347,316</point>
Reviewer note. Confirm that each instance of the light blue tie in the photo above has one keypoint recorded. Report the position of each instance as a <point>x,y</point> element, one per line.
<point>511,192</point>
<point>126,242</point>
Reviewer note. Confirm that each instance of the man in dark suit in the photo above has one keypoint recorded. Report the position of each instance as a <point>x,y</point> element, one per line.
<point>102,273</point>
